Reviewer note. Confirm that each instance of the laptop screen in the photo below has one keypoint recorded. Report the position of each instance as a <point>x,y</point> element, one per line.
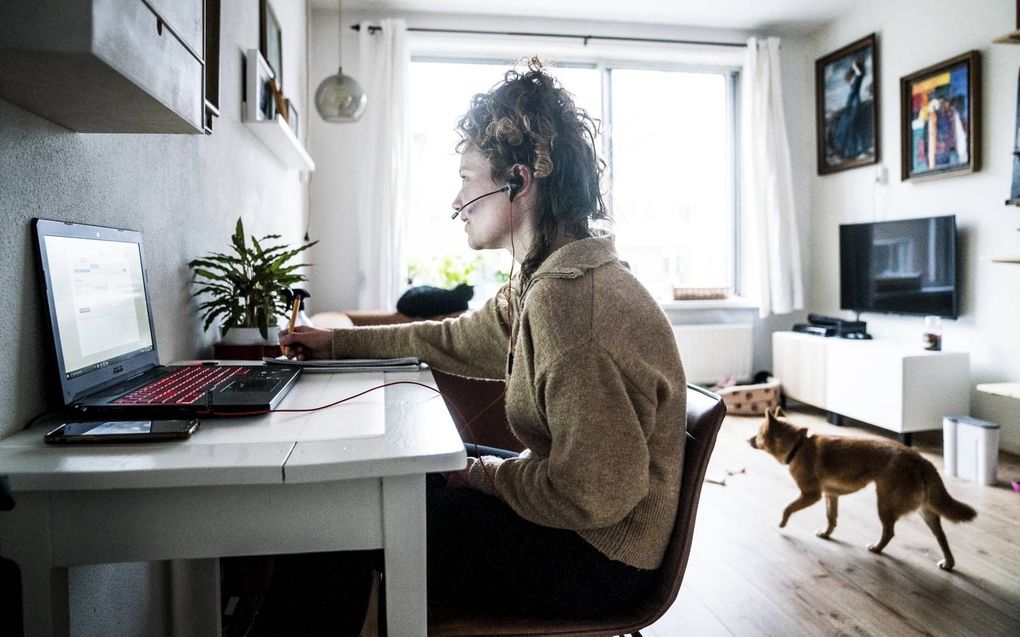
<point>99,300</point>
<point>99,308</point>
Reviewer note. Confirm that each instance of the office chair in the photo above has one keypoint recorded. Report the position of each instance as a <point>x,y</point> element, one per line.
<point>705,413</point>
<point>482,404</point>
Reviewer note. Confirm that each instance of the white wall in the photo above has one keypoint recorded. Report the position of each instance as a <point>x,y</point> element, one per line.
<point>911,36</point>
<point>184,192</point>
<point>333,283</point>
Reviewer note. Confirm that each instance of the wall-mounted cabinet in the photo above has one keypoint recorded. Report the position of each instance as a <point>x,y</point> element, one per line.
<point>108,66</point>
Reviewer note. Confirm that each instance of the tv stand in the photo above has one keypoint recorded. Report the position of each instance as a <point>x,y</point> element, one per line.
<point>890,384</point>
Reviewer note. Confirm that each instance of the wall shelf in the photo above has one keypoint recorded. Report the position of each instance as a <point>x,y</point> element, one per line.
<point>262,119</point>
<point>277,136</point>
<point>1013,37</point>
<point>1015,259</point>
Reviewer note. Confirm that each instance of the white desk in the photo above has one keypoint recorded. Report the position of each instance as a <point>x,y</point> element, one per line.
<point>349,477</point>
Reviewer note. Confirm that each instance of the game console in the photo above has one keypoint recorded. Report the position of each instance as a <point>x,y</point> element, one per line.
<point>821,325</point>
<point>817,330</point>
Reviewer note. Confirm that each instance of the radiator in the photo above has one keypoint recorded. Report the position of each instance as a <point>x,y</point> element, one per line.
<point>711,352</point>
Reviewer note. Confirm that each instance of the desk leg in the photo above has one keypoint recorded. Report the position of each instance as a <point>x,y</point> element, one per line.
<point>44,592</point>
<point>26,535</point>
<point>195,597</point>
<point>404,554</point>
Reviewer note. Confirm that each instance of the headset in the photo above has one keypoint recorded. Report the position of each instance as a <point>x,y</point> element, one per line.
<point>513,183</point>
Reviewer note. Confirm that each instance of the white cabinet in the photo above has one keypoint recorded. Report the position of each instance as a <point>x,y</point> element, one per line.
<point>889,384</point>
<point>106,66</point>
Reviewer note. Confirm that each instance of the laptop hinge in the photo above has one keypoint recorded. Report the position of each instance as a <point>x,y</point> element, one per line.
<point>119,380</point>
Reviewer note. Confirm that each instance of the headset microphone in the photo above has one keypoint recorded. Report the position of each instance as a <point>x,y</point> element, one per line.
<point>510,188</point>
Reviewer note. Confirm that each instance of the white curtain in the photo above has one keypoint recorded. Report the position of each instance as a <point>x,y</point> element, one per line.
<point>770,245</point>
<point>384,63</point>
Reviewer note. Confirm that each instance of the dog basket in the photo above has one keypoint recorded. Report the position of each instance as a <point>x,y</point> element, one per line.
<point>751,400</point>
<point>700,294</point>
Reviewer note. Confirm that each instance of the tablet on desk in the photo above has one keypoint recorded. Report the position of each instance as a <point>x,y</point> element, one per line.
<point>115,431</point>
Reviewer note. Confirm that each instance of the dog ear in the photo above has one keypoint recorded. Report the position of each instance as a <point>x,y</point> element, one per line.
<point>770,418</point>
<point>779,412</point>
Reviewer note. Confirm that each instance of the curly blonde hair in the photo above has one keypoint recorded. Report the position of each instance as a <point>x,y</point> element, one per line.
<point>529,118</point>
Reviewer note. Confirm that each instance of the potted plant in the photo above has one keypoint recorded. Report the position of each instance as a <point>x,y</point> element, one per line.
<point>244,289</point>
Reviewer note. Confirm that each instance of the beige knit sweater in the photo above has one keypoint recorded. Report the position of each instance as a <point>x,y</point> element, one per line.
<point>595,391</point>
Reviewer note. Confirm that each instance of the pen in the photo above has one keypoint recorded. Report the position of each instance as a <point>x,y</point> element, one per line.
<point>293,319</point>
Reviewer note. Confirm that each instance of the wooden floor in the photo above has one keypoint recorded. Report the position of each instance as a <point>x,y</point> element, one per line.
<point>746,576</point>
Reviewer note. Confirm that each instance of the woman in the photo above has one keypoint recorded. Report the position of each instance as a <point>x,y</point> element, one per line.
<point>578,522</point>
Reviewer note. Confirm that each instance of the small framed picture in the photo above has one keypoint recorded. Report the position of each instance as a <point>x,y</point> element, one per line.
<point>940,116</point>
<point>259,104</point>
<point>293,120</point>
<point>271,39</point>
<point>267,105</point>
<point>846,107</point>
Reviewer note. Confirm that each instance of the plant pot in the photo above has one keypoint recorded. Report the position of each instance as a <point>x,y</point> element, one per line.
<point>250,336</point>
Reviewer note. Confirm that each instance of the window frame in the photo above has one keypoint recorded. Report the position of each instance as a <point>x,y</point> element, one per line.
<point>731,73</point>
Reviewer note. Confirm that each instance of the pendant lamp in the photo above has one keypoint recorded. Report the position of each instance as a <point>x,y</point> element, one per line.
<point>339,98</point>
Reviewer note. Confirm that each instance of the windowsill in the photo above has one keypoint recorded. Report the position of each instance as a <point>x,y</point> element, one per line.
<point>731,303</point>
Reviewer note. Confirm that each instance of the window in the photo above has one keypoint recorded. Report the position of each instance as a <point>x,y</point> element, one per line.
<point>669,144</point>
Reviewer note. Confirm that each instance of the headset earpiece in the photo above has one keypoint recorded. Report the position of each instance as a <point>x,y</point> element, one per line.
<point>514,183</point>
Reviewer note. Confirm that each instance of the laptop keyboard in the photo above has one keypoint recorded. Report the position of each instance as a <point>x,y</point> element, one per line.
<point>186,386</point>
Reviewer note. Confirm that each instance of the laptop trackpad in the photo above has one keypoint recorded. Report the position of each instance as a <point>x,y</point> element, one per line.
<point>251,385</point>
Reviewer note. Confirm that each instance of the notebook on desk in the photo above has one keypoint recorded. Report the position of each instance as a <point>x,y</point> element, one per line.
<point>103,333</point>
<point>348,365</point>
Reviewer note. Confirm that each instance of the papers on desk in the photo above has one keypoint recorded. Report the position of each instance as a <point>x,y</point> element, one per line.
<point>407,364</point>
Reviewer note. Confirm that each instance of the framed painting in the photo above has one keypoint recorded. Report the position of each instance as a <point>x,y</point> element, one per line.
<point>940,116</point>
<point>271,39</point>
<point>846,107</point>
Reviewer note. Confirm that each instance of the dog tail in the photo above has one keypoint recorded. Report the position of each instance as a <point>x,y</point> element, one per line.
<point>939,499</point>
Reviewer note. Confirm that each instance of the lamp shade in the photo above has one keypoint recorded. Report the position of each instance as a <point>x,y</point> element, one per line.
<point>340,98</point>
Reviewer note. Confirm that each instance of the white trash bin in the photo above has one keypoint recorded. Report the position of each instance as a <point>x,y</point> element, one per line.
<point>970,448</point>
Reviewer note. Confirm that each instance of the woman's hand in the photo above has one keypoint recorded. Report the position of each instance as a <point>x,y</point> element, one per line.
<point>308,342</point>
<point>460,478</point>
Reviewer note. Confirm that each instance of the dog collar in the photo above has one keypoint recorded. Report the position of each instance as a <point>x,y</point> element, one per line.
<point>796,447</point>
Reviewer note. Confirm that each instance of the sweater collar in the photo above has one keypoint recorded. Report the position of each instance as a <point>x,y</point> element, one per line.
<point>580,255</point>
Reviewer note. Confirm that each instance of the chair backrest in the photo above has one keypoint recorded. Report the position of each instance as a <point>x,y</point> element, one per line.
<point>482,404</point>
<point>705,414</point>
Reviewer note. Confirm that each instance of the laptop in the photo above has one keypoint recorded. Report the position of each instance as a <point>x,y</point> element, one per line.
<point>103,331</point>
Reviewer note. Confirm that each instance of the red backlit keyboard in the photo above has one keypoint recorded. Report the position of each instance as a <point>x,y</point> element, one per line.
<point>186,386</point>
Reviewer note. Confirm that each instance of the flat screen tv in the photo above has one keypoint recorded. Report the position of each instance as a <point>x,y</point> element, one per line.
<point>899,267</point>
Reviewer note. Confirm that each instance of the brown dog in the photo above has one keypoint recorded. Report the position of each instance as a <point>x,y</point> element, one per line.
<point>833,466</point>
